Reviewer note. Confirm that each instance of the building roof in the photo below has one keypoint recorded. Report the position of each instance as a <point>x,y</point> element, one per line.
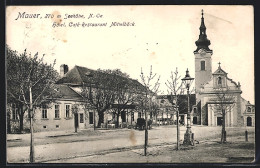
<point>66,93</point>
<point>76,76</point>
<point>219,71</point>
<point>79,75</point>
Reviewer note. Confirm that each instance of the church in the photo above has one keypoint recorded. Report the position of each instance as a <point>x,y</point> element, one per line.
<point>216,93</point>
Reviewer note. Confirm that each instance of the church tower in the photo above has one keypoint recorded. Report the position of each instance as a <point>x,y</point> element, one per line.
<point>203,62</point>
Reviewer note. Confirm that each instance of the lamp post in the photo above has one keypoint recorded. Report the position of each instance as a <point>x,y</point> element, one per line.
<point>90,97</point>
<point>188,138</point>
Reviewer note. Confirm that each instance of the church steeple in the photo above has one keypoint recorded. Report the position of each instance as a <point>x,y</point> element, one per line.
<point>202,42</point>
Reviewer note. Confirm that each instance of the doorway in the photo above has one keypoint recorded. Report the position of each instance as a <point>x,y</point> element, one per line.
<point>123,116</point>
<point>90,117</point>
<point>81,120</point>
<point>194,120</point>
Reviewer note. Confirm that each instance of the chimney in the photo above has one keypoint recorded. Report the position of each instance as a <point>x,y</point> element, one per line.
<point>63,69</point>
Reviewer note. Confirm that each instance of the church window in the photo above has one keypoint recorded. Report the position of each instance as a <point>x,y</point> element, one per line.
<point>202,65</point>
<point>219,81</point>
<point>248,109</point>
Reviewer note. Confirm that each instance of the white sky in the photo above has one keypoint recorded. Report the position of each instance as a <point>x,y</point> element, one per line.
<point>175,28</point>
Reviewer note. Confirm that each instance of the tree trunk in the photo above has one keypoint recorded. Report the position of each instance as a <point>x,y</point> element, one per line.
<point>100,118</point>
<point>223,132</point>
<point>178,131</point>
<point>117,120</point>
<point>162,118</point>
<point>21,114</point>
<point>31,128</point>
<point>21,121</point>
<point>146,135</point>
<point>8,122</point>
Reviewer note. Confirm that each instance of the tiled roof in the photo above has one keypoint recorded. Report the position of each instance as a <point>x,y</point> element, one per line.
<point>79,75</point>
<point>65,92</point>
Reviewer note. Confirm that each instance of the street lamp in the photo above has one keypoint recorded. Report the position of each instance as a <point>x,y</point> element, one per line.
<point>188,139</point>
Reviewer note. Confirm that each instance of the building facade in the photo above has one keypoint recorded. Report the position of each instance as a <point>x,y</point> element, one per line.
<point>216,93</point>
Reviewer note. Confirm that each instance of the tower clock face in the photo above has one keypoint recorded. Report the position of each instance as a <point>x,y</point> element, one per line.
<point>202,52</point>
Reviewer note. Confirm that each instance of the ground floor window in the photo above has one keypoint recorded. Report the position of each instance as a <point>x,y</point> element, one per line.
<point>249,121</point>
<point>219,121</point>
<point>44,111</point>
<point>132,116</point>
<point>14,112</point>
<point>81,119</point>
<point>67,110</point>
<point>90,117</point>
<point>57,111</point>
<point>139,114</point>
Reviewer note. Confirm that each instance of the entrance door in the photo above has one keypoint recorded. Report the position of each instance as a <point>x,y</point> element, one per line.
<point>182,120</point>
<point>123,116</point>
<point>219,121</point>
<point>81,120</point>
<point>76,121</point>
<point>249,121</point>
<point>90,117</point>
<point>194,120</point>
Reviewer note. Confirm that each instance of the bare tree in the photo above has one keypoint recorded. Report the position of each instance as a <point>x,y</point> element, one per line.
<point>155,109</point>
<point>224,101</point>
<point>109,89</point>
<point>30,82</point>
<point>150,91</point>
<point>98,94</point>
<point>175,89</point>
<point>125,94</point>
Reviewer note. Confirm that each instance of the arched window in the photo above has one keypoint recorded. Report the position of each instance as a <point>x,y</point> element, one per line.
<point>249,121</point>
<point>248,109</point>
<point>219,81</point>
<point>202,65</point>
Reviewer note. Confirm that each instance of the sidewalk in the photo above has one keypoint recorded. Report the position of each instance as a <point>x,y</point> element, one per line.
<point>59,133</point>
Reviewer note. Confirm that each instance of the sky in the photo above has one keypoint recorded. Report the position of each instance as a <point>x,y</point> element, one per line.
<point>162,36</point>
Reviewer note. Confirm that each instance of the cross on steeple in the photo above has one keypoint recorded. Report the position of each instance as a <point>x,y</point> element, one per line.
<point>202,12</point>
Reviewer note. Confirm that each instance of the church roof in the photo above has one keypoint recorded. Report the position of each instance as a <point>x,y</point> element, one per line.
<point>219,71</point>
<point>202,42</point>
